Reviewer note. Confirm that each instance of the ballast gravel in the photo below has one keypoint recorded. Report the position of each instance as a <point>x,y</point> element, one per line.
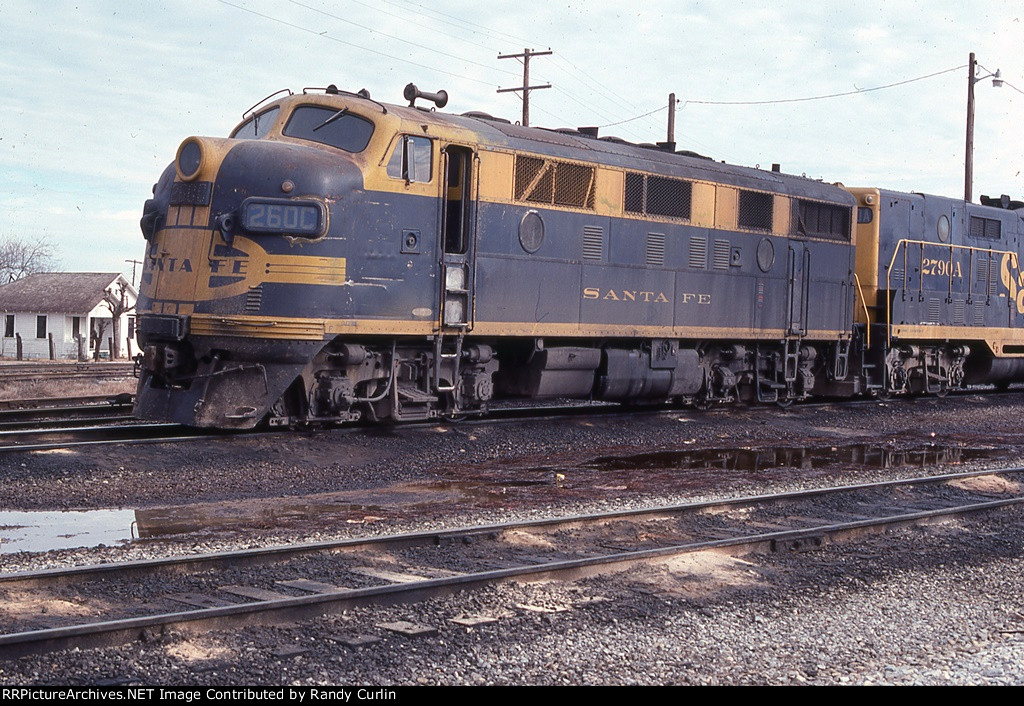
<point>936,604</point>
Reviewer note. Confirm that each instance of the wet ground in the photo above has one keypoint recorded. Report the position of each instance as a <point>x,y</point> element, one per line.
<point>318,482</point>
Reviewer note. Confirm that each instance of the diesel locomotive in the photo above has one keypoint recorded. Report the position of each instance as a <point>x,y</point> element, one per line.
<point>338,258</point>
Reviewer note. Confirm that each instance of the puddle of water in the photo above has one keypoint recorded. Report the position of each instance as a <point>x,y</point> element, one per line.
<point>42,531</point>
<point>803,458</point>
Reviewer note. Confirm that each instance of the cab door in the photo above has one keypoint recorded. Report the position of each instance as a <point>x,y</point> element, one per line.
<point>458,236</point>
<point>798,275</point>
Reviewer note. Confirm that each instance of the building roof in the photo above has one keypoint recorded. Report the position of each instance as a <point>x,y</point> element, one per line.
<point>71,292</point>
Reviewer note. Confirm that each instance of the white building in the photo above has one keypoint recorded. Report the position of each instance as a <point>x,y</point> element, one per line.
<point>68,306</point>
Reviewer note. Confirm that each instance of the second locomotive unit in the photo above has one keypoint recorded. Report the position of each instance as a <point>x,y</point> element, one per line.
<point>338,258</point>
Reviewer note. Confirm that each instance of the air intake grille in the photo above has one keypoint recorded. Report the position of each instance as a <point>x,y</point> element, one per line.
<point>553,182</point>
<point>985,228</point>
<point>822,220</point>
<point>755,211</point>
<point>658,196</point>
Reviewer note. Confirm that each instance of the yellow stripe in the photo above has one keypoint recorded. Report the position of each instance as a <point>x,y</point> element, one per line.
<point>996,338</point>
<point>317,329</point>
<point>257,327</point>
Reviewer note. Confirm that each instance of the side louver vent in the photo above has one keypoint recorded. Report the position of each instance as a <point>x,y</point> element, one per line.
<point>593,243</point>
<point>698,252</point>
<point>722,254</point>
<point>655,249</point>
<point>254,298</point>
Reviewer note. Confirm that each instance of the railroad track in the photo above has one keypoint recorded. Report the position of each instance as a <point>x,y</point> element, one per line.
<point>55,414</point>
<point>21,372</point>
<point>120,603</point>
<point>124,431</point>
<point>49,427</point>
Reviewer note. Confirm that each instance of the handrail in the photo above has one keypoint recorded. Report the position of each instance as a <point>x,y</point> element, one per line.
<point>904,243</point>
<point>864,303</point>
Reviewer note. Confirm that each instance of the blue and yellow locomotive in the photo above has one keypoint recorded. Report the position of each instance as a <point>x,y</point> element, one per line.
<point>338,258</point>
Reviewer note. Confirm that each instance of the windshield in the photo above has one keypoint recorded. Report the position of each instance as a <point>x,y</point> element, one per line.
<point>329,126</point>
<point>257,126</point>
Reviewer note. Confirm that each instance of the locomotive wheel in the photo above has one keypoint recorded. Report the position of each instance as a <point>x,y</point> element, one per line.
<point>703,404</point>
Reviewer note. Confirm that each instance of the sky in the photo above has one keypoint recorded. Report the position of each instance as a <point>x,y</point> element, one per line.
<point>96,96</point>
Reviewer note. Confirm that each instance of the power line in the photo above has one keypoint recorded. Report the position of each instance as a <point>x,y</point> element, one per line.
<point>637,117</point>
<point>464,26</point>
<point>496,34</point>
<point>830,95</point>
<point>400,39</point>
<point>683,104</point>
<point>324,35</point>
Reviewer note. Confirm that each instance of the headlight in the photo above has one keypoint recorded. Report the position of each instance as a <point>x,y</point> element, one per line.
<point>304,218</point>
<point>189,160</point>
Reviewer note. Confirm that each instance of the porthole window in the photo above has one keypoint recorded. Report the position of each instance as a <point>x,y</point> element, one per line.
<point>942,229</point>
<point>531,232</point>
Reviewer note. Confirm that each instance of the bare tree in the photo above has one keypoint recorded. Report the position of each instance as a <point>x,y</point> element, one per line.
<point>23,256</point>
<point>96,336</point>
<point>115,298</point>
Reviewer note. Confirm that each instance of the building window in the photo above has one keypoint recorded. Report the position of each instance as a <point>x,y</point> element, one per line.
<point>41,326</point>
<point>9,326</point>
<point>131,327</point>
<point>76,326</point>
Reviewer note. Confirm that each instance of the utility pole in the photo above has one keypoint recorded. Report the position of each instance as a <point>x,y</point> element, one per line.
<point>997,82</point>
<point>135,263</point>
<point>526,87</point>
<point>671,118</point>
<point>969,152</point>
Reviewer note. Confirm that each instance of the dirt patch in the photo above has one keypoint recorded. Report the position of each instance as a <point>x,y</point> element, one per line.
<point>521,538</point>
<point>990,485</point>
<point>32,606</point>
<point>195,652</point>
<point>698,574</point>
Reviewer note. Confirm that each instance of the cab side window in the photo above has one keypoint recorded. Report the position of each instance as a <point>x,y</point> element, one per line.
<point>411,159</point>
